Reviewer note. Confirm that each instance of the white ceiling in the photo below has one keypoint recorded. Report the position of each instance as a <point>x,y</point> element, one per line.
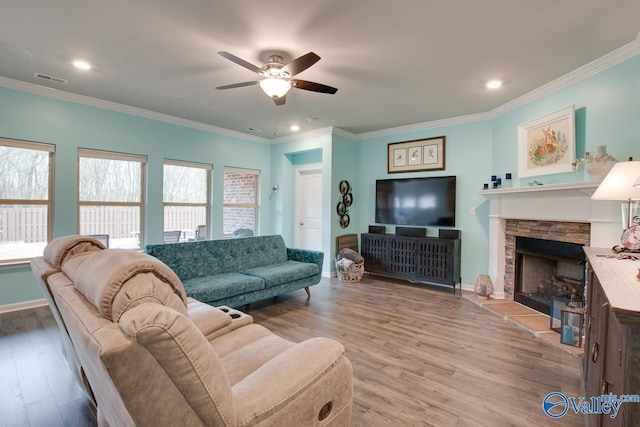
<point>395,63</point>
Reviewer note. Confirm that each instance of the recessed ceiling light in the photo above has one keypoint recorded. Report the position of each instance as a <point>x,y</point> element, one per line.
<point>81,65</point>
<point>494,84</point>
<point>294,128</point>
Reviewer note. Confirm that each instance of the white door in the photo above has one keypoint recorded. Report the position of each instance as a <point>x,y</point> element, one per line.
<point>309,209</point>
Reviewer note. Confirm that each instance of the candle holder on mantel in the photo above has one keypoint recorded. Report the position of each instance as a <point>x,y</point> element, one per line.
<point>483,286</point>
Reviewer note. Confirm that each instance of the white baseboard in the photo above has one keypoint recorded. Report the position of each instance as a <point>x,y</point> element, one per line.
<point>8,308</point>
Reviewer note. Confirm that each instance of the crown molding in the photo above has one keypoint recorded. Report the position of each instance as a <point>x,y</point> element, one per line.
<point>594,67</point>
<point>125,109</point>
<point>426,125</point>
<point>598,65</point>
<point>609,60</point>
<point>326,131</point>
<point>345,133</point>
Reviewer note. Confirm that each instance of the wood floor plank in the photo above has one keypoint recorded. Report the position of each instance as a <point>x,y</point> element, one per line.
<point>426,357</point>
<point>421,357</point>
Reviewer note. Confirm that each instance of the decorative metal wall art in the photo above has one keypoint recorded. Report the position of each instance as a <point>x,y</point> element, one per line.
<point>343,205</point>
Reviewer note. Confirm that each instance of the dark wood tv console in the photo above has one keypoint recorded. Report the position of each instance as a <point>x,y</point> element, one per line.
<point>430,260</point>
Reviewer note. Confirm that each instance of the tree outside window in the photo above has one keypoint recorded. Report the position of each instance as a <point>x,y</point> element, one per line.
<point>111,197</point>
<point>26,198</point>
<point>185,195</point>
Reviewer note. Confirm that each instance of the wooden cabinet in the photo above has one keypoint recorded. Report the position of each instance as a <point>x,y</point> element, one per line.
<point>611,361</point>
<point>430,260</point>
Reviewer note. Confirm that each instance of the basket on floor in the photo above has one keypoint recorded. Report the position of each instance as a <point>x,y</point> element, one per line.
<point>352,273</point>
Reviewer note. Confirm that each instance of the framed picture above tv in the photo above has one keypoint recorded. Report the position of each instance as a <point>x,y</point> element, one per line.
<point>419,155</point>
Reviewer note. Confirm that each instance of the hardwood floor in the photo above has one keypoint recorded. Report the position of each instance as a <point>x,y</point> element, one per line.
<point>421,357</point>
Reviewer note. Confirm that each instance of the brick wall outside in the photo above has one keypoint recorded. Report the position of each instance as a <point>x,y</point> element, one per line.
<point>240,190</point>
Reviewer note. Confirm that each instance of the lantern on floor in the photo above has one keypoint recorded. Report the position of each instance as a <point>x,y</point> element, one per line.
<point>572,321</point>
<point>483,286</point>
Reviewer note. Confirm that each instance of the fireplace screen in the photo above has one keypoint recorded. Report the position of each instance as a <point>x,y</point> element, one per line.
<point>546,270</point>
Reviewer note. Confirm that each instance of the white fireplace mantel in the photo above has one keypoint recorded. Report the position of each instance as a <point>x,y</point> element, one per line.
<point>551,202</point>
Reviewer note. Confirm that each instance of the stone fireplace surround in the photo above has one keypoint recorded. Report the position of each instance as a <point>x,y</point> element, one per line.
<point>562,211</point>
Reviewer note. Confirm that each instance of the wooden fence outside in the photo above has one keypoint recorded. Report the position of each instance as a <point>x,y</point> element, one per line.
<point>28,224</point>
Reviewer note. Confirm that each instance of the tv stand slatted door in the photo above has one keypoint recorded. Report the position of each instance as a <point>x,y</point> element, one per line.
<point>430,260</point>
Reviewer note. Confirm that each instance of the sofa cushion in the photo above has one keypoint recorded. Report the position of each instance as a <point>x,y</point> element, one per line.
<point>212,257</point>
<point>284,272</point>
<point>219,286</point>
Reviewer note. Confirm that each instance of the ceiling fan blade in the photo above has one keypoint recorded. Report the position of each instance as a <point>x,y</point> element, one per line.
<point>280,100</point>
<point>300,64</point>
<point>315,87</point>
<point>235,85</point>
<point>241,62</point>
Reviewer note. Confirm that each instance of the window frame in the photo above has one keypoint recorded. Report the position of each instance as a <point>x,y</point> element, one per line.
<point>207,204</point>
<point>255,206</point>
<point>113,155</point>
<point>36,146</point>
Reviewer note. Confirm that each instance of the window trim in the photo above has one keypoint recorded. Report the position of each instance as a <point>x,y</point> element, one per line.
<point>206,204</point>
<point>51,150</point>
<point>113,155</point>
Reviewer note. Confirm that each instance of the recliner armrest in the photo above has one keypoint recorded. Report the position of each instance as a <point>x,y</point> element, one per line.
<point>309,374</point>
<point>208,319</point>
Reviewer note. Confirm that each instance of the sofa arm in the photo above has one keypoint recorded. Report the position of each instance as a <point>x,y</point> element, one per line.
<point>297,383</point>
<point>305,255</point>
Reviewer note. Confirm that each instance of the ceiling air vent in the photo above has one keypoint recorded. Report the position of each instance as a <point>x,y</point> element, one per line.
<point>49,78</point>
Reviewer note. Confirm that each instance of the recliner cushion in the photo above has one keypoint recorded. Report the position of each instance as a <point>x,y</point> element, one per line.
<point>61,249</point>
<point>186,357</point>
<point>114,280</point>
<point>284,272</point>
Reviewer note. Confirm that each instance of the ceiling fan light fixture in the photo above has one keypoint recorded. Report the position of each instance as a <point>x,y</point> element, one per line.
<point>275,87</point>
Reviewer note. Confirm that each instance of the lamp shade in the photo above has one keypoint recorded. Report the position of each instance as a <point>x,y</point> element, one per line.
<point>620,183</point>
<point>275,87</point>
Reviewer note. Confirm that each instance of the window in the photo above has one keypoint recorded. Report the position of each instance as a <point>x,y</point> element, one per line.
<point>26,198</point>
<point>185,196</point>
<point>111,196</point>
<point>240,210</point>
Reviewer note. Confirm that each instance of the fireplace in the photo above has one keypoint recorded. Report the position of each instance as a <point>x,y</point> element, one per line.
<point>562,212</point>
<point>548,269</point>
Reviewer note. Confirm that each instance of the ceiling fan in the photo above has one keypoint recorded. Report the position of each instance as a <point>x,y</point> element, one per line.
<point>277,76</point>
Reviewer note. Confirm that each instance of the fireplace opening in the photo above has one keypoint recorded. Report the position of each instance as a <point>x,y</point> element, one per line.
<point>546,270</point>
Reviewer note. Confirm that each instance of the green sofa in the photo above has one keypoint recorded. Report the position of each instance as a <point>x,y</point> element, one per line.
<point>236,272</point>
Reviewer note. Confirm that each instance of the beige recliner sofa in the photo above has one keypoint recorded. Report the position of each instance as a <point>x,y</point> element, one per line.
<point>151,357</point>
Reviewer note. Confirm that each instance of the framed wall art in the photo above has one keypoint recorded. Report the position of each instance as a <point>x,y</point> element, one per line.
<point>546,145</point>
<point>419,155</point>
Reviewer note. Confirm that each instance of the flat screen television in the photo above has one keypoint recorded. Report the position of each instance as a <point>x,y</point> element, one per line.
<point>417,201</point>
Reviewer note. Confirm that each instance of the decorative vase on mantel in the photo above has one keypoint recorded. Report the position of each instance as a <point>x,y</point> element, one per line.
<point>598,165</point>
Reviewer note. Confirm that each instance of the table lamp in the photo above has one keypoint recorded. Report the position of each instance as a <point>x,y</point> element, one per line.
<point>623,183</point>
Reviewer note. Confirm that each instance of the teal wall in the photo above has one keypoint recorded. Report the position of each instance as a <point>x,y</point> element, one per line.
<point>68,125</point>
<point>607,108</point>
<point>468,157</point>
<point>607,112</point>
<point>345,166</point>
<point>286,158</point>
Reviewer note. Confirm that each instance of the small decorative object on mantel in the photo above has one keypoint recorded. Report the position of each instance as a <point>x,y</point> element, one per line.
<point>483,286</point>
<point>342,208</point>
<point>597,166</point>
